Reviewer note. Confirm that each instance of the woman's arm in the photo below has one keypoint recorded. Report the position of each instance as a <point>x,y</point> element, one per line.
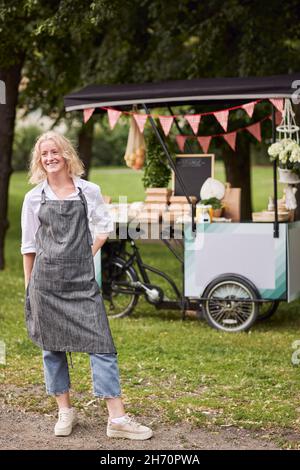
<point>28,260</point>
<point>29,225</point>
<point>99,242</point>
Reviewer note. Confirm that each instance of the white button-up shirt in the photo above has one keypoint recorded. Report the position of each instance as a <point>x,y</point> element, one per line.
<point>99,218</point>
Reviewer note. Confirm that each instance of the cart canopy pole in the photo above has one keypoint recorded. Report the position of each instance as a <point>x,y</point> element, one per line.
<point>276,225</point>
<point>161,140</point>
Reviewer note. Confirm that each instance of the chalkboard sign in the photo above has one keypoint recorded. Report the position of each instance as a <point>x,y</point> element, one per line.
<point>194,170</point>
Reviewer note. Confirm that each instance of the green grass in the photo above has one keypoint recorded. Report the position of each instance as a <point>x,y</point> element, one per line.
<point>180,371</point>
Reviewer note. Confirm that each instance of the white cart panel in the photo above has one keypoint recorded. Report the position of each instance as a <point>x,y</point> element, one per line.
<point>246,249</point>
<point>293,261</point>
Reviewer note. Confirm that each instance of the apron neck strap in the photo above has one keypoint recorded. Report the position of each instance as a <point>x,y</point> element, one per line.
<point>81,195</point>
<point>83,200</point>
<point>43,198</point>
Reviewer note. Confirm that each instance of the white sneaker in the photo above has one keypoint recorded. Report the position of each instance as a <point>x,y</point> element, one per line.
<point>129,429</point>
<point>67,419</point>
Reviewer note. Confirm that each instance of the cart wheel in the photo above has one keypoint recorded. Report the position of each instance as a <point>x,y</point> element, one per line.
<point>229,307</point>
<point>267,309</point>
<point>118,295</point>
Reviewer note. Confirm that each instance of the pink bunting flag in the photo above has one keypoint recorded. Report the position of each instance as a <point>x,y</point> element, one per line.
<point>255,130</point>
<point>204,142</point>
<point>180,139</point>
<point>230,139</point>
<point>278,103</point>
<point>278,118</point>
<point>194,121</point>
<point>141,121</point>
<point>87,114</point>
<point>222,117</point>
<point>113,116</point>
<point>249,108</point>
<point>166,123</point>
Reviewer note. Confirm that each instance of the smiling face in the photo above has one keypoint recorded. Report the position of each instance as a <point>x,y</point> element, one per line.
<point>51,157</point>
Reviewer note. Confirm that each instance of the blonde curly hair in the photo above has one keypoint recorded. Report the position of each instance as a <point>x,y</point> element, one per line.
<point>37,173</point>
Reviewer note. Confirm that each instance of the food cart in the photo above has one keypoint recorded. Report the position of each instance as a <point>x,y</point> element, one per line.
<point>230,270</point>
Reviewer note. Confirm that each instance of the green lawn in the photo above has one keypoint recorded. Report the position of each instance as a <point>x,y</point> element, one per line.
<point>178,370</point>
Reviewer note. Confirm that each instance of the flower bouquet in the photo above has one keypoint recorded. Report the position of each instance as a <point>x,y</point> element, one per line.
<point>287,151</point>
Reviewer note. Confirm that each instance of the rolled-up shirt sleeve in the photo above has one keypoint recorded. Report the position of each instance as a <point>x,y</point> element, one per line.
<point>101,217</point>
<point>29,226</point>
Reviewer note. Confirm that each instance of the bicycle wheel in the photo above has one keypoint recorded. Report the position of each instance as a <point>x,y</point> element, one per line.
<point>117,290</point>
<point>231,305</point>
<point>267,309</point>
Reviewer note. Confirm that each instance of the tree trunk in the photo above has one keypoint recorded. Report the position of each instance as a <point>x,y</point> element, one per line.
<point>237,167</point>
<point>85,143</point>
<point>11,77</point>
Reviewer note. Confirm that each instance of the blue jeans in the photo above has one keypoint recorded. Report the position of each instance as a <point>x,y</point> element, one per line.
<point>105,374</point>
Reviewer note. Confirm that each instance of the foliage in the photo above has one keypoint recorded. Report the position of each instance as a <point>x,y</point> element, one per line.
<point>55,38</point>
<point>24,140</point>
<point>157,41</point>
<point>70,43</point>
<point>151,40</point>
<point>213,202</point>
<point>109,145</point>
<point>157,172</point>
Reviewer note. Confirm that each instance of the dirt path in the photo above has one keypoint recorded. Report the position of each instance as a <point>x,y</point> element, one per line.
<point>27,430</point>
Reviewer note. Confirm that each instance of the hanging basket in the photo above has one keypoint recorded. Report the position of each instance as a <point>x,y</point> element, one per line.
<point>287,176</point>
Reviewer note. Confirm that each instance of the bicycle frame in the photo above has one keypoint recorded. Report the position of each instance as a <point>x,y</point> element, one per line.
<point>135,260</point>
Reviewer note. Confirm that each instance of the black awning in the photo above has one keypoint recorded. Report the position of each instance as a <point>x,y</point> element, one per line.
<point>180,92</point>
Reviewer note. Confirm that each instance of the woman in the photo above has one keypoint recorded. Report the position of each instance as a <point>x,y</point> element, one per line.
<point>64,309</point>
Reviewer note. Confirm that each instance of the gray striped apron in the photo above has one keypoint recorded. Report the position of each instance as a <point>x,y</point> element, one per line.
<point>64,309</point>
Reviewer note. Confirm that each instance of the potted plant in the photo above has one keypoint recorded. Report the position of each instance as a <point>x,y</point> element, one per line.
<point>156,177</point>
<point>215,204</point>
<point>287,151</point>
<point>156,170</point>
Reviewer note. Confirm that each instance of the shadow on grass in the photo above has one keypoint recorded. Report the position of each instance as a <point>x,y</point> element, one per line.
<point>287,317</point>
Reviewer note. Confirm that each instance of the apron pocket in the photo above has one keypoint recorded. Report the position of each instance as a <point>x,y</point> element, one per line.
<point>72,289</point>
<point>78,270</point>
<point>48,269</point>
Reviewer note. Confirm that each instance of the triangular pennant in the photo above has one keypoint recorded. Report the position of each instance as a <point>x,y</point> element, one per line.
<point>204,142</point>
<point>194,121</point>
<point>230,139</point>
<point>222,117</point>
<point>87,114</point>
<point>255,130</point>
<point>278,117</point>
<point>166,123</point>
<point>113,116</point>
<point>140,120</point>
<point>180,139</point>
<point>278,103</point>
<point>249,108</point>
